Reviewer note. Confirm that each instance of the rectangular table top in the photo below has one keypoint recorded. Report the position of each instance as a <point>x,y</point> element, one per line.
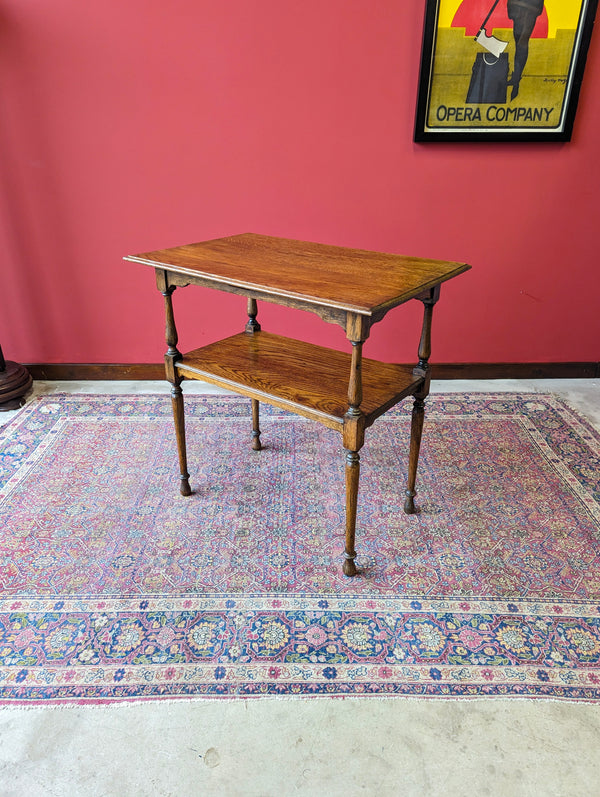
<point>355,280</point>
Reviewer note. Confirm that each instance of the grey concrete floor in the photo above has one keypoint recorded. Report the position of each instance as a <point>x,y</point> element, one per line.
<point>320,746</point>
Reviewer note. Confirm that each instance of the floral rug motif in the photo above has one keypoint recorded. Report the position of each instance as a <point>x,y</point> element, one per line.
<point>115,587</point>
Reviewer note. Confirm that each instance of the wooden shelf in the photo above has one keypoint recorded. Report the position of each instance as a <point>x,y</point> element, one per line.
<point>306,379</point>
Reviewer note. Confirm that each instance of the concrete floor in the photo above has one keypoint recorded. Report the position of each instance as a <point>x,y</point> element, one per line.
<point>317,746</point>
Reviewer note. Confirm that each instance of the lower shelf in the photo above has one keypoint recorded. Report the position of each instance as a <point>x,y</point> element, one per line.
<point>301,377</point>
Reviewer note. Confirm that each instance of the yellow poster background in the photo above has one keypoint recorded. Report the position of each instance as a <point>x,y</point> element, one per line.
<point>543,88</point>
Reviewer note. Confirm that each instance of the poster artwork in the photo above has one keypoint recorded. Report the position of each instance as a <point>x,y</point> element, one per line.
<point>502,66</point>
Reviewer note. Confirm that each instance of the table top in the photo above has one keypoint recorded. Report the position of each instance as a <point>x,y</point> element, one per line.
<point>355,280</point>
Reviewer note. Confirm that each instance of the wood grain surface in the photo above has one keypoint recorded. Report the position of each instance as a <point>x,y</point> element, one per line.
<point>307,379</point>
<point>355,280</point>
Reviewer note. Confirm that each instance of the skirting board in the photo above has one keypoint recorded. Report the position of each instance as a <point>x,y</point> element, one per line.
<point>142,371</point>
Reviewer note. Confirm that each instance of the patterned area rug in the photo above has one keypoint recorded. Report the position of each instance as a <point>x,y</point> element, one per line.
<point>115,587</point>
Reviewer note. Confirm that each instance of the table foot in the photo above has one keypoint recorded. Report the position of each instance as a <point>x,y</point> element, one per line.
<point>349,567</point>
<point>409,502</point>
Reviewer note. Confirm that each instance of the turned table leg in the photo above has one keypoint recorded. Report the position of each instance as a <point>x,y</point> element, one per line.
<point>354,429</point>
<point>416,431</point>
<point>256,444</point>
<point>429,298</point>
<point>179,418</point>
<point>252,326</point>
<point>352,479</point>
<point>171,357</point>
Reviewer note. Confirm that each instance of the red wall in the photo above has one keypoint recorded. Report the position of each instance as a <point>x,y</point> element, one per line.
<point>130,126</point>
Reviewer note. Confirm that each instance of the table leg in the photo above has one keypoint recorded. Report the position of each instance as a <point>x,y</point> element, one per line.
<point>256,444</point>
<point>354,429</point>
<point>179,418</point>
<point>172,356</point>
<point>352,479</point>
<point>429,299</point>
<point>252,327</point>
<point>252,324</point>
<point>416,431</point>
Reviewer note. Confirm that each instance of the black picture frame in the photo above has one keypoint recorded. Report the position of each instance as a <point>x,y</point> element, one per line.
<point>456,64</point>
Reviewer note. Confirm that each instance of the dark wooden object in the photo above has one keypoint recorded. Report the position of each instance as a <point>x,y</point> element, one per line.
<point>350,287</point>
<point>15,382</point>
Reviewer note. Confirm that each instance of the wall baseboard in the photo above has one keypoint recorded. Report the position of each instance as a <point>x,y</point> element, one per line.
<point>95,371</point>
<point>143,371</point>
<point>589,370</point>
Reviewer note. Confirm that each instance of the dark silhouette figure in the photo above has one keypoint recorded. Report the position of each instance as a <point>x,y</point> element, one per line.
<point>524,14</point>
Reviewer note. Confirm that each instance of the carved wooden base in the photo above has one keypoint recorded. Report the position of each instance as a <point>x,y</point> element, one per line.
<point>15,382</point>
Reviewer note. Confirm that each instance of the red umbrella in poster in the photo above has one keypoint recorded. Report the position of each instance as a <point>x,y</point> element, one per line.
<point>471,13</point>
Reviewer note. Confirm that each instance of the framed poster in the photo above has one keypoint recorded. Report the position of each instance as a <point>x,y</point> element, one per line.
<point>502,70</point>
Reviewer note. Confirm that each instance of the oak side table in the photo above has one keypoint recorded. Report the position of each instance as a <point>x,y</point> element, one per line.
<point>344,391</point>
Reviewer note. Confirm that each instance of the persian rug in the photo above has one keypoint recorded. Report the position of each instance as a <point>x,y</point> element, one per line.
<point>114,587</point>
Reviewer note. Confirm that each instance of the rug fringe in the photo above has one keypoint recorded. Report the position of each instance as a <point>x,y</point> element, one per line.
<point>205,699</point>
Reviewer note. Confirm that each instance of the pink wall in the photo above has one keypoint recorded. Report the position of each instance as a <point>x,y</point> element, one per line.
<point>129,126</point>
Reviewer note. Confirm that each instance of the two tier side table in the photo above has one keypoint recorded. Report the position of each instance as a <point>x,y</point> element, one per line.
<point>342,390</point>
